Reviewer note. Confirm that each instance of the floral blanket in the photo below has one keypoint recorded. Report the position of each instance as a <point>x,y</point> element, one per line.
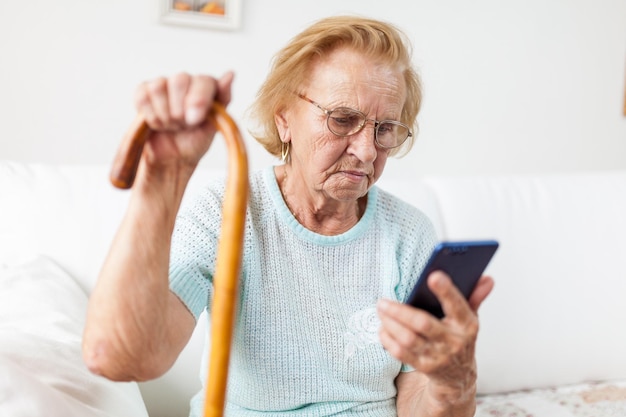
<point>596,399</point>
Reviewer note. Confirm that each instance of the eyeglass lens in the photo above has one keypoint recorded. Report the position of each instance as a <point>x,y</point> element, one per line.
<point>345,122</point>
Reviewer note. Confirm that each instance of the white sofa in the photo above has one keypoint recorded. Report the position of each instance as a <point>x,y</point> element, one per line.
<point>552,339</point>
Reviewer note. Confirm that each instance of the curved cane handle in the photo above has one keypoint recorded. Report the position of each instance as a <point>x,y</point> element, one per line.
<point>229,251</point>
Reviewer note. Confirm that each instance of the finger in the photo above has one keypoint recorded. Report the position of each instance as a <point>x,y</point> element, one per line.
<point>200,95</point>
<point>399,350</point>
<point>399,340</point>
<point>483,289</point>
<point>398,331</point>
<point>178,85</point>
<point>453,303</point>
<point>423,353</point>
<point>416,321</point>
<point>224,89</point>
<point>157,94</point>
<point>144,106</point>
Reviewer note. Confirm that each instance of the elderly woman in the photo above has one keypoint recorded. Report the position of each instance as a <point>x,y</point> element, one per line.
<point>329,257</point>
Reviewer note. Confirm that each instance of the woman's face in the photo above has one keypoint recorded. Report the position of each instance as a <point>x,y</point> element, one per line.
<point>341,168</point>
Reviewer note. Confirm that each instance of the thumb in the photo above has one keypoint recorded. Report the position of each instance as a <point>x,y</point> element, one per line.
<point>224,85</point>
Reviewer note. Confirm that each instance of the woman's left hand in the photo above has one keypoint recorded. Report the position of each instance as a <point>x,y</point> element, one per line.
<point>442,350</point>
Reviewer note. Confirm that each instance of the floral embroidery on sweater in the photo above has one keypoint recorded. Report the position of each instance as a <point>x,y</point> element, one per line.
<point>362,330</point>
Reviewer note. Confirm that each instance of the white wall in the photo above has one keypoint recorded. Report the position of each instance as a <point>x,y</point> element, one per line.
<point>511,87</point>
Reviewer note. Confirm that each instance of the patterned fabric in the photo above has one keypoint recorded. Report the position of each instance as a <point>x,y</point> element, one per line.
<point>306,340</point>
<point>596,399</point>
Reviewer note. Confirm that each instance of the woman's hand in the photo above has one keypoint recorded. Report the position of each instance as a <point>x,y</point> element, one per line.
<point>176,109</point>
<point>440,350</point>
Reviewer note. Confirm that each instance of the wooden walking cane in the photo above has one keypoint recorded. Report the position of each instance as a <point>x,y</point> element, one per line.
<point>229,253</point>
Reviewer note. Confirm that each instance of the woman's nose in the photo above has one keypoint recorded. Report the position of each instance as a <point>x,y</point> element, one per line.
<point>363,145</point>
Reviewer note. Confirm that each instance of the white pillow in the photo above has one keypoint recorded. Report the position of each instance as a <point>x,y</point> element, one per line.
<point>42,314</point>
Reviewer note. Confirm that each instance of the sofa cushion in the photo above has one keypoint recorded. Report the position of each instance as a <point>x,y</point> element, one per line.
<point>68,213</point>
<point>42,313</point>
<point>557,312</point>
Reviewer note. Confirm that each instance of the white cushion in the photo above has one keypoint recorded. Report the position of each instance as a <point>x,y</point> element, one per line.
<point>68,213</point>
<point>42,313</point>
<point>557,313</point>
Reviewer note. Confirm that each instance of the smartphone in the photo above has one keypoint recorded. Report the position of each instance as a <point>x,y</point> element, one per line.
<point>463,261</point>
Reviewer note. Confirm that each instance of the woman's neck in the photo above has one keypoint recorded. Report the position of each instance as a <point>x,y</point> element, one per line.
<point>313,209</point>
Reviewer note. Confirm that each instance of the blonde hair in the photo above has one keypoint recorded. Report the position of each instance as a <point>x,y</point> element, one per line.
<point>291,65</point>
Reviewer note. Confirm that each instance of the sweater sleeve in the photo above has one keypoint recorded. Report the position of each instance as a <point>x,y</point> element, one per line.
<point>194,248</point>
<point>414,237</point>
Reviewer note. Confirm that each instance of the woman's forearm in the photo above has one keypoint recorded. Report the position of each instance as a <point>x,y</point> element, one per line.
<point>130,332</point>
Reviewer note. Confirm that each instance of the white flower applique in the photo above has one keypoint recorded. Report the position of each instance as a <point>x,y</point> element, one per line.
<point>362,330</point>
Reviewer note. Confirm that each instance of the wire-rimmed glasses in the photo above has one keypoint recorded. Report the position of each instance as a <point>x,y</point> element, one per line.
<point>344,121</point>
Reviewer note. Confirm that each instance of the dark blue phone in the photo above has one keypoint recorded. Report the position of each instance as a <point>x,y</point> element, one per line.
<point>463,261</point>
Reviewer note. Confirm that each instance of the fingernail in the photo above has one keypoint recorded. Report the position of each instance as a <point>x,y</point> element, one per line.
<point>383,304</point>
<point>193,116</point>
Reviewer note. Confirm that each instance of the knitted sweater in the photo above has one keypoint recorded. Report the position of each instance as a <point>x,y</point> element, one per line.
<point>306,337</point>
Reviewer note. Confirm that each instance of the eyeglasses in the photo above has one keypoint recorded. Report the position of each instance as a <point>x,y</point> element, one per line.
<point>344,121</point>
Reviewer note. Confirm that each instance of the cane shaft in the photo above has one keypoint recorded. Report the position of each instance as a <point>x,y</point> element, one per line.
<point>228,266</point>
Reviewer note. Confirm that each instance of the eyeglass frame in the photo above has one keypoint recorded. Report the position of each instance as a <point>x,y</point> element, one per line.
<point>377,123</point>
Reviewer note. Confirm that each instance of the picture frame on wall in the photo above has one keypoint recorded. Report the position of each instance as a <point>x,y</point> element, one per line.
<point>210,14</point>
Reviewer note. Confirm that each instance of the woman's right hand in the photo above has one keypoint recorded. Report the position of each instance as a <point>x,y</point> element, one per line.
<point>176,110</point>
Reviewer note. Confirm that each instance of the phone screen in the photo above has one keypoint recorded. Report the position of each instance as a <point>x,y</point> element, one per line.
<point>463,261</point>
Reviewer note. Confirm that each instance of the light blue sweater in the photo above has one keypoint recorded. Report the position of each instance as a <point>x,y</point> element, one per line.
<point>306,337</point>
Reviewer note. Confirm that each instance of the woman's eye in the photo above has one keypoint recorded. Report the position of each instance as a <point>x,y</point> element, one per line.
<point>346,118</point>
<point>385,128</point>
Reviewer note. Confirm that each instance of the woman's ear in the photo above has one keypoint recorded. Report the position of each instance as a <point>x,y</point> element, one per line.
<point>283,127</point>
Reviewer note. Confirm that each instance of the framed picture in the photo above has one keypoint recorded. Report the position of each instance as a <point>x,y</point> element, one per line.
<point>212,14</point>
